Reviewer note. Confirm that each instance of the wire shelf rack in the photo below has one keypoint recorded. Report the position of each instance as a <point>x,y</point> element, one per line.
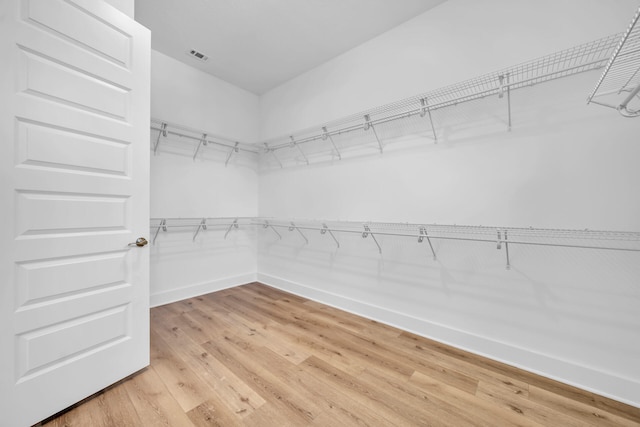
<point>162,129</point>
<point>500,237</point>
<point>417,115</point>
<point>197,225</point>
<point>619,83</point>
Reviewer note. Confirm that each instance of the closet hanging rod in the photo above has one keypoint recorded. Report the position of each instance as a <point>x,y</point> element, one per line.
<point>587,234</point>
<point>468,239</point>
<point>220,224</point>
<point>199,138</point>
<point>198,218</point>
<point>442,104</point>
<point>435,231</point>
<point>586,57</point>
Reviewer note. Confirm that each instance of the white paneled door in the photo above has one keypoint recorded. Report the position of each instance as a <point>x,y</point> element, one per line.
<point>74,170</point>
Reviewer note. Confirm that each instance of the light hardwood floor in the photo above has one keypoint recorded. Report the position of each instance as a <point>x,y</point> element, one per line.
<point>257,356</point>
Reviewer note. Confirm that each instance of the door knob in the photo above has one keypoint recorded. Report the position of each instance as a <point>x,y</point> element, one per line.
<point>140,241</point>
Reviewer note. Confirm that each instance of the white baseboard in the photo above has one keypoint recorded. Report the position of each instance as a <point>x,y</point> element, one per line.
<point>586,378</point>
<point>197,289</point>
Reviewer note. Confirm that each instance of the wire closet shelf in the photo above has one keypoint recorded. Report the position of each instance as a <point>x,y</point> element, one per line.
<point>366,126</point>
<point>619,83</point>
<point>411,116</point>
<point>501,237</point>
<point>199,137</point>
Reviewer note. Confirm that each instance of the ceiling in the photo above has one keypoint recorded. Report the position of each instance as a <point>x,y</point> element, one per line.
<point>260,44</point>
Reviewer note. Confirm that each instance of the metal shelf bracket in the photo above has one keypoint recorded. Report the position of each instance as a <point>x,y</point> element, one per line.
<point>325,136</point>
<point>233,150</point>
<point>273,153</point>
<point>423,234</point>
<point>506,245</point>
<point>506,248</point>
<point>294,227</point>
<point>366,233</point>
<point>162,132</point>
<point>267,225</point>
<point>503,81</point>
<point>234,224</point>
<point>368,125</point>
<point>201,226</point>
<point>326,229</point>
<point>293,144</point>
<point>426,110</point>
<point>203,141</point>
<point>163,226</point>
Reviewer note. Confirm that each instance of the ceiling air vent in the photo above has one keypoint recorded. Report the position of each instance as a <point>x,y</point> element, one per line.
<point>198,55</point>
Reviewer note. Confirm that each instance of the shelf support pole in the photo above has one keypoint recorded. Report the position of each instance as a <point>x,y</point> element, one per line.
<point>503,80</point>
<point>294,227</point>
<point>162,132</point>
<point>324,231</point>
<point>366,233</point>
<point>267,225</point>
<point>423,234</point>
<point>203,141</point>
<point>325,136</point>
<point>201,226</point>
<point>509,128</point>
<point>233,150</point>
<point>426,110</point>
<point>163,226</point>
<point>233,225</point>
<point>506,248</point>
<point>294,144</point>
<point>367,125</point>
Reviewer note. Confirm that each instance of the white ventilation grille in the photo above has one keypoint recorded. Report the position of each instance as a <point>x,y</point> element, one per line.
<point>198,55</point>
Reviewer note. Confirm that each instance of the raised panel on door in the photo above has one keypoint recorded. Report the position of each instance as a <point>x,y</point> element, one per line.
<point>75,175</point>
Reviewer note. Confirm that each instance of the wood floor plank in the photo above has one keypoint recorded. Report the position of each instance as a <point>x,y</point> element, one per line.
<point>182,382</point>
<point>585,413</point>
<point>374,399</point>
<point>239,357</point>
<point>300,383</point>
<point>214,413</point>
<point>503,397</point>
<point>450,366</point>
<point>257,356</point>
<point>347,320</point>
<point>223,383</point>
<point>486,413</point>
<point>514,375</point>
<point>320,348</point>
<point>363,350</point>
<point>109,408</point>
<point>153,402</point>
<point>273,415</point>
<point>405,397</point>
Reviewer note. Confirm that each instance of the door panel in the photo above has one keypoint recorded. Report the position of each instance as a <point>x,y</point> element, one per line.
<point>47,147</point>
<point>50,80</point>
<point>74,165</point>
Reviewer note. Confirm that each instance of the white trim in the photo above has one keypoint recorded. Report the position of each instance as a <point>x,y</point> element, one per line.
<point>586,378</point>
<point>198,289</point>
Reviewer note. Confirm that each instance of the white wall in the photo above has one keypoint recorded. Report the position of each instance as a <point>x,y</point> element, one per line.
<point>569,314</point>
<point>182,187</point>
